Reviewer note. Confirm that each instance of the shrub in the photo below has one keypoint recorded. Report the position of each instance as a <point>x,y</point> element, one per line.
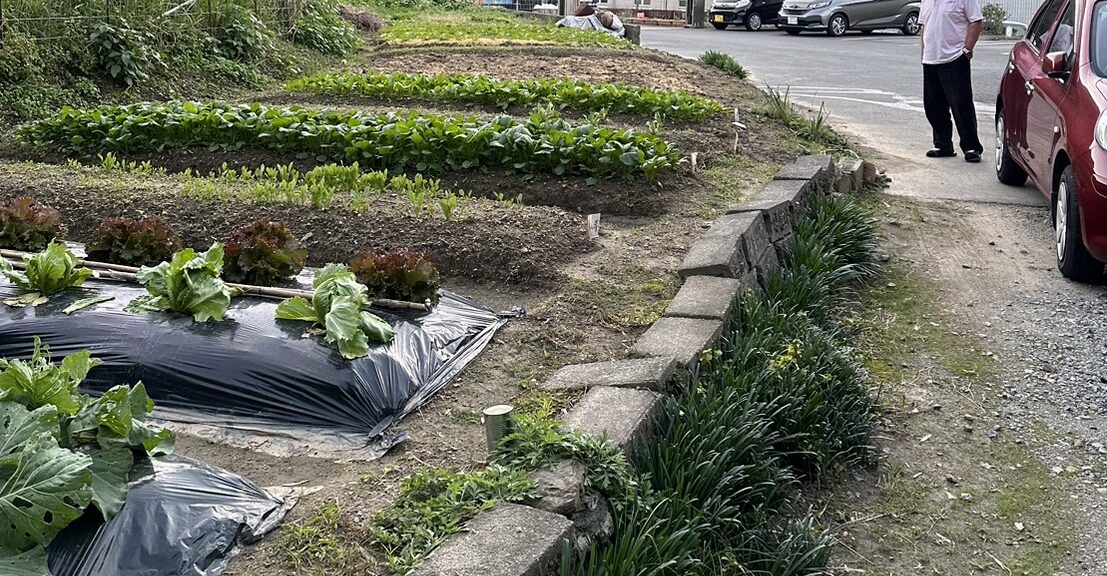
<point>724,62</point>
<point>994,17</point>
<point>362,18</point>
<point>320,27</point>
<point>133,241</point>
<point>124,54</point>
<point>400,274</point>
<point>261,253</point>
<point>27,225</point>
<point>240,35</point>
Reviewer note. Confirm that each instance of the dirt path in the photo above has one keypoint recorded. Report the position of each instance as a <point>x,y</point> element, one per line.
<point>991,369</point>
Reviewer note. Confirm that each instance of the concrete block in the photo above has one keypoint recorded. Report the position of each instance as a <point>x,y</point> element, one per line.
<point>777,202</point>
<point>754,241</point>
<point>870,174</point>
<point>819,169</point>
<point>645,373</point>
<point>854,169</point>
<point>704,297</point>
<point>509,540</point>
<point>719,251</point>
<point>767,264</point>
<point>593,524</point>
<point>806,167</point>
<point>626,417</point>
<point>680,338</point>
<point>560,489</point>
<point>749,282</point>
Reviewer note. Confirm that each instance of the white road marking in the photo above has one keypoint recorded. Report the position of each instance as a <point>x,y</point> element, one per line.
<point>866,96</point>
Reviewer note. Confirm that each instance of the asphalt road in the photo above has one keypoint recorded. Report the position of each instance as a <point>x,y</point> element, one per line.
<point>872,88</point>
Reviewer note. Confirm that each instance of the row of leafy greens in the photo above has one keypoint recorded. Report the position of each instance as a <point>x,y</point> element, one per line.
<point>61,451</point>
<point>191,283</point>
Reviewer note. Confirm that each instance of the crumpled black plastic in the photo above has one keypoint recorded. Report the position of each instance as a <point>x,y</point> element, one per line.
<point>181,518</point>
<point>251,371</point>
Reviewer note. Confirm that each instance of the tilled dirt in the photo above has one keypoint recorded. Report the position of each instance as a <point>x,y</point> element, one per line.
<point>997,403</point>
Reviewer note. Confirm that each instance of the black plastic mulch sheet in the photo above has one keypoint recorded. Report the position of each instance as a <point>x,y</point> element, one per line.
<point>252,372</point>
<point>181,518</point>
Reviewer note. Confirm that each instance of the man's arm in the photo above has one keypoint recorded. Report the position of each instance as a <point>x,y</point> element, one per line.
<point>975,28</point>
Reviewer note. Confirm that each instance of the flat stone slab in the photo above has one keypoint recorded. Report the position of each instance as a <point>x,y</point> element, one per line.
<point>560,489</point>
<point>719,251</point>
<point>705,297</point>
<point>626,417</point>
<point>509,540</point>
<point>755,239</point>
<point>778,202</point>
<point>854,170</point>
<point>808,167</point>
<point>646,373</point>
<point>680,338</point>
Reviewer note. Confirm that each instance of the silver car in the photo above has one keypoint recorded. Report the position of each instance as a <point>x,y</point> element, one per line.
<point>836,17</point>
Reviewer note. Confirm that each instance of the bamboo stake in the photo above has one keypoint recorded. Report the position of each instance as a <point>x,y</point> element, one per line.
<point>129,274</point>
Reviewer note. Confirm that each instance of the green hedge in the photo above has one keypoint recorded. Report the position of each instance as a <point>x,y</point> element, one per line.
<point>617,98</point>
<point>543,144</point>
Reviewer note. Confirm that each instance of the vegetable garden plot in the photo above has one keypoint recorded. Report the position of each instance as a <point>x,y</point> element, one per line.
<point>254,375</point>
<point>181,518</point>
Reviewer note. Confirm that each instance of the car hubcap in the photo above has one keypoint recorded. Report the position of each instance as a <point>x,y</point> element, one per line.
<point>1061,220</point>
<point>913,24</point>
<point>839,26</point>
<point>1001,143</point>
<point>755,22</point>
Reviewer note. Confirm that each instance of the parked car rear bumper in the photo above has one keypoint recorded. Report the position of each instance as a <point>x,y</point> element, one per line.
<point>1090,171</point>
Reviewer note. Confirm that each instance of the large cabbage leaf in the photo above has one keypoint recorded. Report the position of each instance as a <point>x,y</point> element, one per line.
<point>30,563</point>
<point>38,382</point>
<point>43,488</point>
<point>341,306</point>
<point>48,272</point>
<point>188,283</point>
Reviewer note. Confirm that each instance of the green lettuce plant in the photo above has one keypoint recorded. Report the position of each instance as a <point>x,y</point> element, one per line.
<point>47,273</point>
<point>61,451</point>
<point>341,306</point>
<point>400,274</point>
<point>189,283</point>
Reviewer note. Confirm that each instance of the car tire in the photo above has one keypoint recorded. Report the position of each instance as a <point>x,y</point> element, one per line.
<point>911,24</point>
<point>754,22</point>
<point>792,32</point>
<point>719,26</point>
<point>1007,170</point>
<point>1073,259</point>
<point>837,25</point>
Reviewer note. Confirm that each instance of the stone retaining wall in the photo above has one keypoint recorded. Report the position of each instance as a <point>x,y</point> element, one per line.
<point>623,400</point>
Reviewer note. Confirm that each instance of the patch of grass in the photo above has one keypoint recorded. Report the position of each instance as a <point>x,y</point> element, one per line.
<point>815,130</point>
<point>733,178</point>
<point>907,307</point>
<point>479,26</point>
<point>629,300</point>
<point>724,62</point>
<point>317,544</point>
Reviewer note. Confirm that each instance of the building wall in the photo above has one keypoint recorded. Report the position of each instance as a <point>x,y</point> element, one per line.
<point>631,6</point>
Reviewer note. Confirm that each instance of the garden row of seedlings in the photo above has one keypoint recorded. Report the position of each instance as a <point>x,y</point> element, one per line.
<point>779,405</point>
<point>181,280</point>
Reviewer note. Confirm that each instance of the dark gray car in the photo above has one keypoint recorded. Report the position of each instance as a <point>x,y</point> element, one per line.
<point>836,17</point>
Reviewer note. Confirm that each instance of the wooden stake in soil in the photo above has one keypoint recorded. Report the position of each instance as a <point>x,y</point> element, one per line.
<point>122,273</point>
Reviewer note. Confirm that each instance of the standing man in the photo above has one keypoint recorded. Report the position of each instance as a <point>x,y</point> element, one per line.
<point>951,29</point>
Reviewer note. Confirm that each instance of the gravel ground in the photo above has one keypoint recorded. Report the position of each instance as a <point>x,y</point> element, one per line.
<point>1048,336</point>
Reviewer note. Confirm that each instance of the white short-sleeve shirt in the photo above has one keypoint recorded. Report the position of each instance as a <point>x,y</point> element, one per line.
<point>945,25</point>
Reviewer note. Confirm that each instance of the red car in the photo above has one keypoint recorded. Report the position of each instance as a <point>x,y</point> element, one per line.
<point>1051,126</point>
